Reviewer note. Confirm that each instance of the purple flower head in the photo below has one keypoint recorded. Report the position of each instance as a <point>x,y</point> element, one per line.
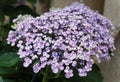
<point>72,37</point>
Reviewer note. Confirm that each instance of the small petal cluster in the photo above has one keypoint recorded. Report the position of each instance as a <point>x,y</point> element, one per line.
<point>72,37</point>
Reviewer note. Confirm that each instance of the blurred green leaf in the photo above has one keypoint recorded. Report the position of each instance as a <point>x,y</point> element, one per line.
<point>9,59</point>
<point>7,49</point>
<point>25,10</point>
<point>11,1</point>
<point>13,12</point>
<point>10,11</point>
<point>3,35</point>
<point>32,1</point>
<point>58,75</point>
<point>9,80</point>
<point>6,70</point>
<point>1,16</point>
<point>7,2</point>
<point>1,79</point>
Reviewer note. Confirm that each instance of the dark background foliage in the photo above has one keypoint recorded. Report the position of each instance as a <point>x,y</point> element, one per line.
<point>11,69</point>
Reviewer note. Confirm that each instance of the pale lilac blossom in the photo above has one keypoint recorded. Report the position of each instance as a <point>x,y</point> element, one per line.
<point>74,37</point>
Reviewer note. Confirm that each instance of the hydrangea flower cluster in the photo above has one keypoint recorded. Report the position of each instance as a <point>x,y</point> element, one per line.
<point>72,37</point>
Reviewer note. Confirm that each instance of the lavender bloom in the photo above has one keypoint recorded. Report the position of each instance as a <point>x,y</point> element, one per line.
<point>72,37</point>
<point>36,68</point>
<point>27,62</point>
<point>82,72</point>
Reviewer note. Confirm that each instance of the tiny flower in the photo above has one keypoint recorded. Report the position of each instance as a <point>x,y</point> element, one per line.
<point>36,68</point>
<point>82,72</point>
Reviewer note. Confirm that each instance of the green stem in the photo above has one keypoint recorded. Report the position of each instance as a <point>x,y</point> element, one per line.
<point>34,76</point>
<point>46,75</point>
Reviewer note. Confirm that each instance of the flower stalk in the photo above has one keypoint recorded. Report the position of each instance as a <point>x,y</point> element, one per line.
<point>46,75</point>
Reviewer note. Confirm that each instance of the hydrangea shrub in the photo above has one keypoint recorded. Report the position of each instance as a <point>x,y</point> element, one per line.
<point>72,37</point>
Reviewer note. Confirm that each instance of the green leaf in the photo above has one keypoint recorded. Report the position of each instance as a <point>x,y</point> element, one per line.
<point>25,10</point>
<point>7,49</point>
<point>9,59</point>
<point>1,79</point>
<point>57,75</point>
<point>13,12</point>
<point>11,1</point>
<point>10,11</point>
<point>1,16</point>
<point>6,70</point>
<point>32,1</point>
<point>7,2</point>
<point>9,80</point>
